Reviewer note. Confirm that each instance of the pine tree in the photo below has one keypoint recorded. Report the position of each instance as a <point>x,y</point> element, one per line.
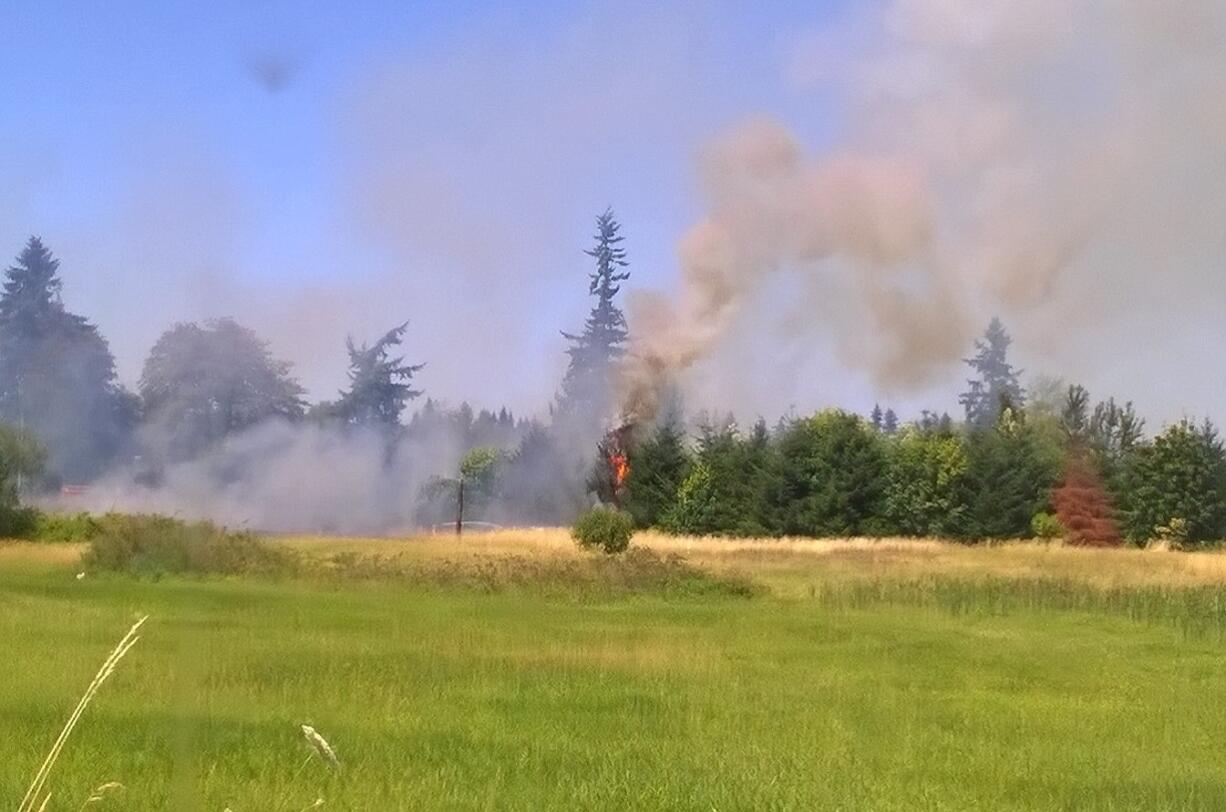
<point>876,417</point>
<point>831,478</point>
<point>1011,469</point>
<point>379,385</point>
<point>57,374</point>
<point>1075,415</point>
<point>995,385</point>
<point>658,465</point>
<point>586,389</point>
<point>890,422</point>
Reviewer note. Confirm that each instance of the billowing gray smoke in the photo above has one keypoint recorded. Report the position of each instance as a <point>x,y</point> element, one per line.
<point>998,156</point>
<point>281,476</point>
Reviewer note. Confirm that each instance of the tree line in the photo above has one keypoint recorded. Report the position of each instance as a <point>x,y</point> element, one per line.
<point>1010,469</point>
<point>66,418</point>
<point>1016,463</point>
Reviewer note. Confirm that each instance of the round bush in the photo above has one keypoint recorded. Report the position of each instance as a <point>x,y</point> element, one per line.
<point>1046,526</point>
<point>605,529</point>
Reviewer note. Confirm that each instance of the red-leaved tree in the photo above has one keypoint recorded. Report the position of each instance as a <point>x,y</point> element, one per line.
<point>1084,506</point>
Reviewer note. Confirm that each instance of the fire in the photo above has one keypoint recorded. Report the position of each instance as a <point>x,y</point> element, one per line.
<point>620,466</point>
<point>614,450</point>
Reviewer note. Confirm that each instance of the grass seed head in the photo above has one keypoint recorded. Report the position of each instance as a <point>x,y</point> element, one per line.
<point>320,745</point>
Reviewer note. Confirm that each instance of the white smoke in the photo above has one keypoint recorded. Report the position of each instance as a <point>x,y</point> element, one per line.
<point>997,156</point>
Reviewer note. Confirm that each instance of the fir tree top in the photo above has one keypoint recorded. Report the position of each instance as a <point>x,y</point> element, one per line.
<point>379,385</point>
<point>32,285</point>
<point>592,352</point>
<point>996,385</point>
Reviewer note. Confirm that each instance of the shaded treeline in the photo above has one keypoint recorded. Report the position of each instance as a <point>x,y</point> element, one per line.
<point>219,426</point>
<point>1049,467</point>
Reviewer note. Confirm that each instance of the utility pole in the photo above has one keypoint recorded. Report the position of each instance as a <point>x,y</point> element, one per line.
<point>459,511</point>
<point>21,424</point>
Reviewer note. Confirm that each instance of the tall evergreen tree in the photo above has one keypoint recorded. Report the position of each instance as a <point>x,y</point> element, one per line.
<point>995,385</point>
<point>889,423</point>
<point>587,387</point>
<point>1011,469</point>
<point>658,465</point>
<point>1075,415</point>
<point>380,385</point>
<point>57,374</point>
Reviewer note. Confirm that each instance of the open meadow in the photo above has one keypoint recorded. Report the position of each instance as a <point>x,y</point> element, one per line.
<point>513,671</point>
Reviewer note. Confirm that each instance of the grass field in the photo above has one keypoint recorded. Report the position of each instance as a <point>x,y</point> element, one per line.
<point>514,672</point>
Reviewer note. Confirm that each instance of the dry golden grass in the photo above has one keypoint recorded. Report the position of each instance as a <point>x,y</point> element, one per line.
<point>35,553</point>
<point>787,564</point>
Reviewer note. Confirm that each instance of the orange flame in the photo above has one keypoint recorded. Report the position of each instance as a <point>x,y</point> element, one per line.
<point>621,469</point>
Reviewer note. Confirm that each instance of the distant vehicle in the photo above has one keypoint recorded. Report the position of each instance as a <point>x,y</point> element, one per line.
<point>480,527</point>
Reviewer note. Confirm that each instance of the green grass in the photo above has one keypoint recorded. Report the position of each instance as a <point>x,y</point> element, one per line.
<point>449,693</point>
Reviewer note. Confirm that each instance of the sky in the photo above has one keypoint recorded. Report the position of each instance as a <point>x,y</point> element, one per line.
<point>321,170</point>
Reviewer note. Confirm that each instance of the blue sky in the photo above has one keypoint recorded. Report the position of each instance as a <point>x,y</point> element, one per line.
<point>140,143</point>
<point>442,163</point>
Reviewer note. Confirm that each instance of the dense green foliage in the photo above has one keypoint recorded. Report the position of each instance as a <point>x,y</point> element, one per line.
<point>67,527</point>
<point>658,465</point>
<point>833,474</point>
<point>1176,486</point>
<point>604,529</point>
<point>724,491</point>
<point>1011,469</point>
<point>927,484</point>
<point>831,477</point>
<point>22,462</point>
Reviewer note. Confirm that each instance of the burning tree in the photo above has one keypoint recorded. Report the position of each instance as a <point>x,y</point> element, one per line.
<point>608,480</point>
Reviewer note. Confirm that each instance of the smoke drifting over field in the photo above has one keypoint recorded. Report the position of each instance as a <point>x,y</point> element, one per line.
<point>1059,162</point>
<point>998,157</point>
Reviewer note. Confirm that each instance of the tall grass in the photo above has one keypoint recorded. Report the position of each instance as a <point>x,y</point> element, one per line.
<point>1196,611</point>
<point>35,790</point>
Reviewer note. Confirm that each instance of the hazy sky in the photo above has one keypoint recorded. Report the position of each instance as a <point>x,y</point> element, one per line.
<point>317,170</point>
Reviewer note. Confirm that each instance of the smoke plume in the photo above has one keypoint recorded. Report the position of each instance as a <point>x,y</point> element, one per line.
<point>991,151</point>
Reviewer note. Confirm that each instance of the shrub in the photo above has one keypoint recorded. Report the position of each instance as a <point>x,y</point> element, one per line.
<point>604,528</point>
<point>1173,535</point>
<point>17,522</point>
<point>1046,526</point>
<point>148,544</point>
<point>65,527</point>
